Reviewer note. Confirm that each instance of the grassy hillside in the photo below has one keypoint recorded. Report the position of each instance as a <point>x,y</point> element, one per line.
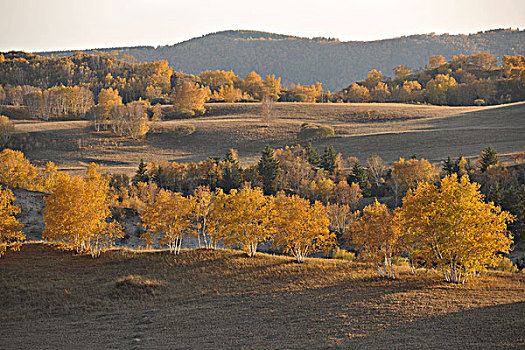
<point>306,61</point>
<point>389,130</point>
<point>220,298</point>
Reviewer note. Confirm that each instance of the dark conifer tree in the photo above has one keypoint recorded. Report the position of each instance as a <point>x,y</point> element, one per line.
<point>328,159</point>
<point>489,157</point>
<point>142,173</point>
<point>312,156</point>
<point>449,166</point>
<point>231,174</point>
<point>268,168</point>
<point>360,177</point>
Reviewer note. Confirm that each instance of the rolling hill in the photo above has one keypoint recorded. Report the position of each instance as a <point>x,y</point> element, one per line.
<point>210,299</point>
<point>390,130</point>
<point>327,60</point>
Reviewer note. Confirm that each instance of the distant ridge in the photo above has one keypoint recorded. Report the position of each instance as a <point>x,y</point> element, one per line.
<point>309,60</point>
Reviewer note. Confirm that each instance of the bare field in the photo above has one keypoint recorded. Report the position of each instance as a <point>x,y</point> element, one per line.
<point>222,299</point>
<point>390,130</point>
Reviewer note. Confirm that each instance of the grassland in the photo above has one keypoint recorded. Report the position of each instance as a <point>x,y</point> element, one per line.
<point>390,130</point>
<point>222,299</point>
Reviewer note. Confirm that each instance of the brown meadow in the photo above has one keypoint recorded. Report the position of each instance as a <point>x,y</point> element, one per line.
<point>221,298</point>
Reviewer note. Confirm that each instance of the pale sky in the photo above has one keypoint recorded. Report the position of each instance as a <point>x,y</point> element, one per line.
<point>45,25</point>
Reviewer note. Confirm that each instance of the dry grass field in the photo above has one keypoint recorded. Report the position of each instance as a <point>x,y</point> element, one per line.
<point>390,130</point>
<point>222,299</point>
<point>207,299</point>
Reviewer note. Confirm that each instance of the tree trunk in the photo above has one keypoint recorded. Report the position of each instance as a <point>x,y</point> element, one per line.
<point>252,249</point>
<point>380,270</point>
<point>179,244</point>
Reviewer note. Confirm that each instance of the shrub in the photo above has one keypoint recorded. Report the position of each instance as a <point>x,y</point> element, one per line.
<point>479,102</point>
<point>136,285</point>
<point>300,98</point>
<point>315,131</point>
<point>506,265</point>
<point>342,254</point>
<point>400,261</point>
<point>184,129</point>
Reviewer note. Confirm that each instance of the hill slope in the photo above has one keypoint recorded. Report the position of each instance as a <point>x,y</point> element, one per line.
<point>306,61</point>
<point>387,129</point>
<point>209,299</point>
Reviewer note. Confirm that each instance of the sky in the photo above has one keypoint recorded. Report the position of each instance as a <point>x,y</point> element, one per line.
<point>48,25</point>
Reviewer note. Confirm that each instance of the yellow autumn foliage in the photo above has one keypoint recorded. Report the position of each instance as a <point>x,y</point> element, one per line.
<point>300,228</point>
<point>451,227</point>
<point>203,202</point>
<point>166,218</point>
<point>189,98</point>
<point>376,237</point>
<point>227,93</point>
<point>77,212</point>
<point>242,218</point>
<point>11,236</point>
<point>16,171</point>
<point>408,173</point>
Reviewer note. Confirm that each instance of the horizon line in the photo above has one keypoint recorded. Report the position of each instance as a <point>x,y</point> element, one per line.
<point>336,40</point>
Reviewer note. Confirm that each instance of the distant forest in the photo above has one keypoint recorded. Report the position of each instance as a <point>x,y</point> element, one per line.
<point>464,80</point>
<point>72,86</point>
<point>327,60</point>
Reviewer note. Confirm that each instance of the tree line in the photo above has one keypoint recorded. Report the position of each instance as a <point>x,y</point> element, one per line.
<point>23,73</point>
<point>465,80</point>
<point>306,61</point>
<point>76,86</point>
<point>444,222</point>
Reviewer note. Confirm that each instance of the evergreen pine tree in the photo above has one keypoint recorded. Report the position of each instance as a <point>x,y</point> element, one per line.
<point>489,157</point>
<point>328,159</point>
<point>158,177</point>
<point>231,177</point>
<point>268,167</point>
<point>312,156</point>
<point>514,202</point>
<point>142,173</point>
<point>360,177</point>
<point>231,174</point>
<point>448,166</point>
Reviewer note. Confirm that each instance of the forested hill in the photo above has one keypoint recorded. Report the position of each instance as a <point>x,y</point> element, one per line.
<point>326,60</point>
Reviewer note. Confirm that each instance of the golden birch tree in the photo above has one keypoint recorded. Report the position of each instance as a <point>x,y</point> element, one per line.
<point>77,214</point>
<point>108,99</point>
<point>437,88</point>
<point>16,170</point>
<point>341,218</point>
<point>451,227</point>
<point>408,174</point>
<point>242,218</point>
<point>189,98</point>
<point>203,201</point>
<point>166,219</point>
<point>11,236</point>
<point>376,237</point>
<point>6,130</point>
<point>301,228</point>
<point>228,93</point>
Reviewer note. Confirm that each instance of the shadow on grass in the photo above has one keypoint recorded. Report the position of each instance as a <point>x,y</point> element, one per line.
<point>499,326</point>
